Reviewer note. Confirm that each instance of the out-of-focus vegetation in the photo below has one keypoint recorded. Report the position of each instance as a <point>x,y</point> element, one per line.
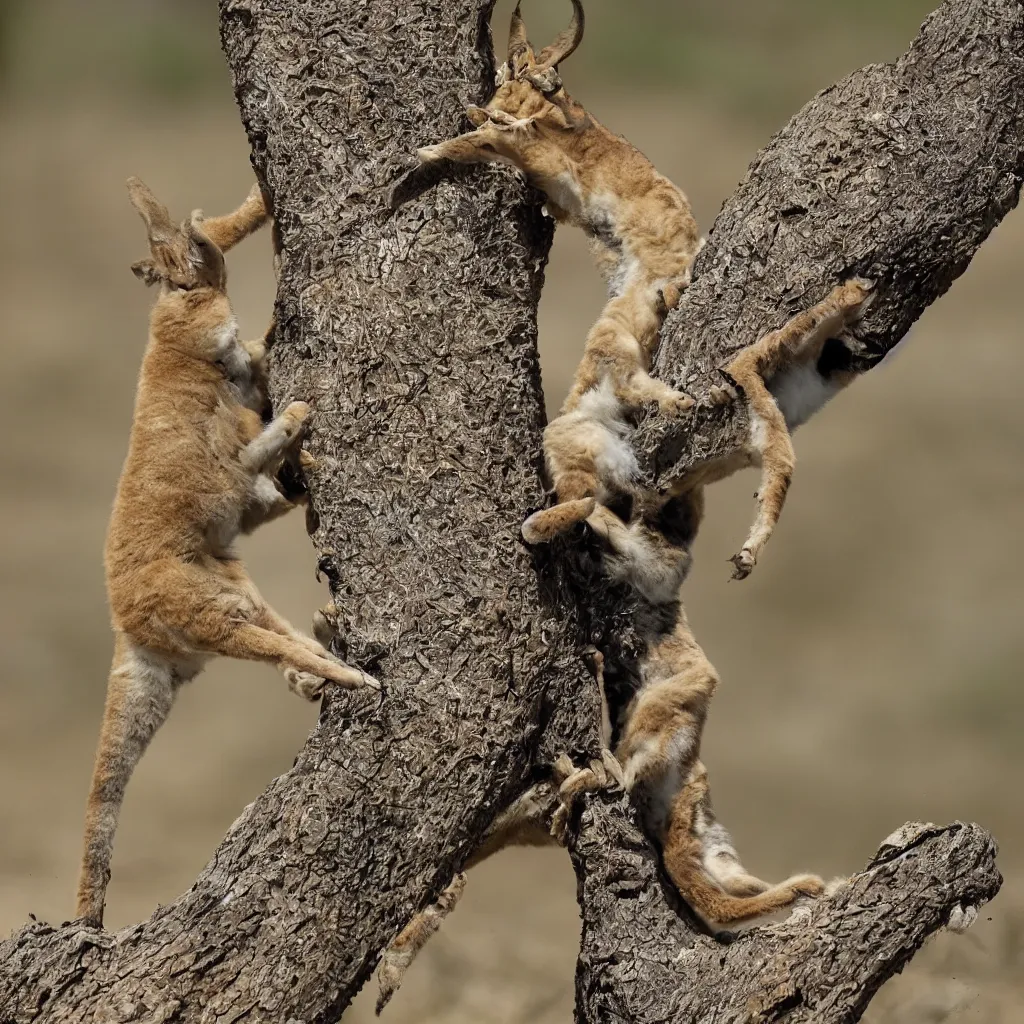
<point>146,49</point>
<point>752,57</point>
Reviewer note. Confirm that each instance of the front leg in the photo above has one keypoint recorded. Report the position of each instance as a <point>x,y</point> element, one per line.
<point>265,503</point>
<point>487,144</point>
<point>260,454</point>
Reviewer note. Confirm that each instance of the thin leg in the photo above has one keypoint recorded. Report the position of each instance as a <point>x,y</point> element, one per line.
<point>522,824</point>
<point>228,230</point>
<point>487,144</point>
<point>296,661</point>
<point>412,938</point>
<point>798,342</point>
<point>140,693</point>
<point>265,504</point>
<point>683,854</point>
<point>663,734</point>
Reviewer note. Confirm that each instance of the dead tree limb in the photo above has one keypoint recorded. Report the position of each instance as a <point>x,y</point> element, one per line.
<point>412,333</point>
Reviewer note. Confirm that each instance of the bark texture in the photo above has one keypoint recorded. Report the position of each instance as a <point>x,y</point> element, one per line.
<point>640,961</point>
<point>412,334</point>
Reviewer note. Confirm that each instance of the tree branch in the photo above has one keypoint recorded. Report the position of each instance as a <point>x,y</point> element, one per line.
<point>897,173</point>
<point>641,961</point>
<point>412,333</point>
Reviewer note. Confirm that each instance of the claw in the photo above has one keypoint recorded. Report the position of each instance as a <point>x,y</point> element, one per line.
<point>574,782</point>
<point>325,625</point>
<point>743,564</point>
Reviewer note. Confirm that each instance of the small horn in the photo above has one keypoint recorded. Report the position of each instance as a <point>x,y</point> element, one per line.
<point>563,47</point>
<point>517,41</point>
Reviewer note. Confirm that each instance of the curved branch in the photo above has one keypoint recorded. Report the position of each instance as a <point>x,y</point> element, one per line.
<point>641,962</point>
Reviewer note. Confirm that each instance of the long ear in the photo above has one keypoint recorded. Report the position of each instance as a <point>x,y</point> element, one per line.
<point>563,47</point>
<point>517,41</point>
<point>204,256</point>
<point>151,210</point>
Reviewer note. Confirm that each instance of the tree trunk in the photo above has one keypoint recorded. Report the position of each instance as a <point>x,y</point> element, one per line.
<point>412,333</point>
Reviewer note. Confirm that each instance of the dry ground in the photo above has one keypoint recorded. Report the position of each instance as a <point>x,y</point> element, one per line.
<point>870,667</point>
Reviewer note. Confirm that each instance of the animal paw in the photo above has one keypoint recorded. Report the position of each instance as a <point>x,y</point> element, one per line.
<point>325,625</point>
<point>743,564</point>
<point>429,154</point>
<point>304,684</point>
<point>668,298</point>
<point>546,524</point>
<point>807,885</point>
<point>722,395</point>
<point>676,405</point>
<point>602,773</point>
<point>856,295</point>
<point>297,413</point>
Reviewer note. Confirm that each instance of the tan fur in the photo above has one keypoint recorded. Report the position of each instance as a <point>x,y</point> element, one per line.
<point>762,369</point>
<point>645,239</point>
<point>656,760</point>
<point>200,469</point>
<point>661,729</point>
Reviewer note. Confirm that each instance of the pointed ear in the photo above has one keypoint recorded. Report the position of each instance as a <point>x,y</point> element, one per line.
<point>203,254</point>
<point>567,41</point>
<point>517,41</point>
<point>147,272</point>
<point>151,210</point>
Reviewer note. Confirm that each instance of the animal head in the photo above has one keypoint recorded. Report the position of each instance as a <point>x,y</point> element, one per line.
<point>182,257</point>
<point>528,82</point>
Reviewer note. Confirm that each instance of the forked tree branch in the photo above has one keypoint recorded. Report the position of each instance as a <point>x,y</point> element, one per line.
<point>412,333</point>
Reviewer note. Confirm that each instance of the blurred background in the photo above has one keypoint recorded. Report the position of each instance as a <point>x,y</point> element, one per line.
<point>870,667</point>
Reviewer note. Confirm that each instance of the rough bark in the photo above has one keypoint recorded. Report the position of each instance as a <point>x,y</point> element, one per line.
<point>412,332</point>
<point>641,961</point>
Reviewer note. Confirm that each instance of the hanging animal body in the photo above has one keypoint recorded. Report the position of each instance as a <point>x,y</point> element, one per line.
<point>645,239</point>
<point>656,737</point>
<point>201,468</point>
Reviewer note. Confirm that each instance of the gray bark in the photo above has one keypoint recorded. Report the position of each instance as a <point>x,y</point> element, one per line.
<point>412,332</point>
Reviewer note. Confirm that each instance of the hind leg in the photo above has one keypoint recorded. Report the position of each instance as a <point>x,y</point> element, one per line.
<point>799,341</point>
<point>684,862</point>
<point>663,733</point>
<point>216,609</point>
<point>302,682</point>
<point>304,669</point>
<point>571,446</point>
<point>140,693</point>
